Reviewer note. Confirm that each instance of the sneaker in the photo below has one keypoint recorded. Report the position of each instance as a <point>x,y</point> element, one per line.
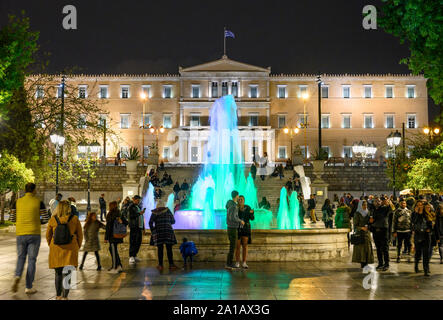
<point>244,265</point>
<point>113,271</point>
<point>15,284</point>
<point>119,269</point>
<point>137,259</point>
<point>237,265</point>
<point>379,268</point>
<point>131,260</point>
<point>30,291</point>
<point>385,268</point>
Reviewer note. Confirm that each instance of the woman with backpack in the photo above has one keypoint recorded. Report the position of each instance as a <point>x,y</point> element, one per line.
<point>64,236</point>
<point>92,242</point>
<point>115,223</point>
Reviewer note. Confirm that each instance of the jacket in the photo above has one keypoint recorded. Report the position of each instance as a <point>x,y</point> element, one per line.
<point>311,204</point>
<point>29,213</point>
<point>102,203</point>
<point>439,224</point>
<point>402,220</point>
<point>420,225</point>
<point>342,217</point>
<point>381,217</point>
<point>160,223</point>
<point>67,254</point>
<point>110,219</point>
<point>134,216</point>
<point>232,219</point>
<point>92,242</point>
<point>188,249</point>
<point>327,213</point>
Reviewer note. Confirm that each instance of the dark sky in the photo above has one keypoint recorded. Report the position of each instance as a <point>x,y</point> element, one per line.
<point>133,36</point>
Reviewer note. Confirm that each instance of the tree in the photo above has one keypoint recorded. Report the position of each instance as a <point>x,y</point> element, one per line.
<point>420,24</point>
<point>17,48</point>
<point>13,177</point>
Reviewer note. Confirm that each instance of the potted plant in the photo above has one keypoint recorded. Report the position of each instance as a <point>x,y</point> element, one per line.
<point>132,161</point>
<point>320,156</point>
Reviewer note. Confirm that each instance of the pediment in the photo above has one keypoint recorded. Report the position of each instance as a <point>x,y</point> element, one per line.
<point>224,65</point>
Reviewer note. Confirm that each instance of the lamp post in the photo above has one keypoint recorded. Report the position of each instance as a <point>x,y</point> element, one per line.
<point>393,141</point>
<point>319,83</point>
<point>291,131</point>
<point>58,140</point>
<point>305,123</point>
<point>431,132</point>
<point>155,131</point>
<point>87,148</point>
<point>364,151</point>
<point>144,98</point>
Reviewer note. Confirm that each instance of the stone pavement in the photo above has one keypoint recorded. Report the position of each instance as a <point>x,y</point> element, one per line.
<point>318,280</point>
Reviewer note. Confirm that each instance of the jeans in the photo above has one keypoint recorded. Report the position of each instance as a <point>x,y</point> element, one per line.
<point>115,256</point>
<point>27,246</point>
<point>59,277</point>
<point>97,256</point>
<point>232,236</point>
<point>422,249</point>
<point>440,247</point>
<point>328,224</point>
<point>135,241</point>
<point>313,216</point>
<point>168,252</point>
<point>403,237</point>
<point>102,213</point>
<point>185,258</point>
<point>381,243</point>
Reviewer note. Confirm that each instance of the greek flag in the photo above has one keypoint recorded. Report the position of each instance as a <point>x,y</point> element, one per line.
<point>229,34</point>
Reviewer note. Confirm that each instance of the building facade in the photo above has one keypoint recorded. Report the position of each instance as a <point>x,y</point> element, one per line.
<point>354,108</point>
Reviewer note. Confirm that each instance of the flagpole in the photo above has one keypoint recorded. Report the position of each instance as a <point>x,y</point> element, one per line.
<point>224,42</point>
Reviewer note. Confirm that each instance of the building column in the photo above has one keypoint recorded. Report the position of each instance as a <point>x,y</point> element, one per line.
<point>260,146</point>
<point>181,150</point>
<point>182,114</point>
<point>268,120</point>
<point>250,145</point>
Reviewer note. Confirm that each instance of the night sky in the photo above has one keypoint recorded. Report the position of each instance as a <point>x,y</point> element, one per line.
<point>134,36</point>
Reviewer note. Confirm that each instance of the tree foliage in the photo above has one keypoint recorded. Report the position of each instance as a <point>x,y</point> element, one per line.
<point>13,174</point>
<point>419,23</point>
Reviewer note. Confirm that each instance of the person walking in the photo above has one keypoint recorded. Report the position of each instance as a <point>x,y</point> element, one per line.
<point>92,243</point>
<point>246,214</point>
<point>328,213</point>
<point>343,218</point>
<point>380,225</point>
<point>302,211</point>
<point>401,228</point>
<point>362,252</point>
<point>74,210</point>
<point>233,223</point>
<point>63,253</point>
<point>28,213</point>
<point>430,214</point>
<point>102,203</point>
<point>54,202</point>
<point>176,190</point>
<point>137,227</point>
<point>421,229</point>
<point>264,204</point>
<point>162,234</point>
<point>253,171</point>
<point>311,208</point>
<point>439,230</point>
<point>113,216</point>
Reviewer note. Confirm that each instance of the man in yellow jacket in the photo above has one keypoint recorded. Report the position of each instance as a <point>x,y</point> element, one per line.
<point>29,213</point>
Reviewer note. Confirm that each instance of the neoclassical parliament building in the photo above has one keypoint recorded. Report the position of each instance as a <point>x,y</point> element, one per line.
<point>357,107</point>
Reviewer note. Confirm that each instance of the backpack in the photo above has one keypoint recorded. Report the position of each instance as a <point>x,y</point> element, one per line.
<point>119,230</point>
<point>61,234</point>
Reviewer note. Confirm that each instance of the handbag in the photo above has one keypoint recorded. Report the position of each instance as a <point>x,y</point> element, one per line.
<point>357,238</point>
<point>119,230</point>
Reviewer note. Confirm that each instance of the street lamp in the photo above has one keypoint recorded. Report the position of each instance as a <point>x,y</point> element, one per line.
<point>89,148</point>
<point>393,141</point>
<point>291,131</point>
<point>431,132</point>
<point>58,140</point>
<point>364,151</point>
<point>144,98</point>
<point>305,124</point>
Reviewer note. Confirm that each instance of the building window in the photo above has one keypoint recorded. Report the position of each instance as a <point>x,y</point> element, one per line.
<point>82,121</point>
<point>234,89</point>
<point>347,152</point>
<point>346,124</point>
<point>167,92</point>
<point>281,94</point>
<point>389,92</point>
<point>302,90</point>
<point>124,92</point>
<point>326,148</point>
<point>82,92</point>
<point>147,120</point>
<point>167,121</point>
<point>389,121</point>
<point>166,152</point>
<point>325,92</point>
<point>146,89</point>
<point>282,121</point>
<point>346,92</point>
<point>369,123</point>
<point>325,121</point>
<point>305,151</point>
<point>224,88</point>
<point>103,94</point>
<point>146,151</point>
<point>253,119</point>
<point>196,91</point>
<point>368,92</point>
<point>302,119</point>
<point>40,93</point>
<point>214,90</point>
<point>410,92</point>
<point>253,91</point>
<point>282,152</point>
<point>124,120</point>
<point>195,120</point>
<point>412,123</point>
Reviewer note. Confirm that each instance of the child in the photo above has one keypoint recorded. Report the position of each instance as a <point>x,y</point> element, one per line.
<point>188,249</point>
<point>92,243</point>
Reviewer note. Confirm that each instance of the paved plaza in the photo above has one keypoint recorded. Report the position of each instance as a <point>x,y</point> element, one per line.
<point>318,280</point>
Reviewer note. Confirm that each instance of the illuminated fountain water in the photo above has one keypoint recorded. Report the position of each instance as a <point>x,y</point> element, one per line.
<point>149,203</point>
<point>222,173</point>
